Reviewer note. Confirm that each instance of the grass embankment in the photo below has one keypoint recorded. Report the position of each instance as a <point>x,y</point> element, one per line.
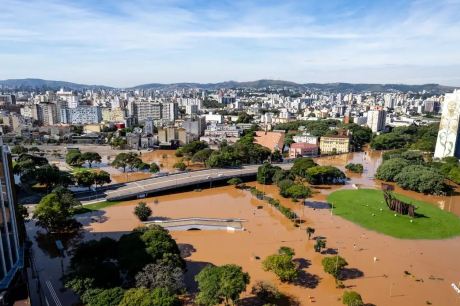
<point>367,208</point>
<point>93,207</point>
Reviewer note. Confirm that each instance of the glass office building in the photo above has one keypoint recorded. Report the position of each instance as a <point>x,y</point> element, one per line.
<point>11,251</point>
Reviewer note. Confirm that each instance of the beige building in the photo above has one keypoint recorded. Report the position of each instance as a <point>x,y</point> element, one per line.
<point>115,114</point>
<point>168,134</point>
<point>334,144</point>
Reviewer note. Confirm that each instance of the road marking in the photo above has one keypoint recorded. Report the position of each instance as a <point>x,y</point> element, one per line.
<point>53,293</point>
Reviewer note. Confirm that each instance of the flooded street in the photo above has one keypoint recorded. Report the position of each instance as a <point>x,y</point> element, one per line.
<point>384,270</point>
<point>166,160</point>
<point>405,272</point>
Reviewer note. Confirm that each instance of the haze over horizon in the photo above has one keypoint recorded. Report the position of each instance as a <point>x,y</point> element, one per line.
<point>127,43</point>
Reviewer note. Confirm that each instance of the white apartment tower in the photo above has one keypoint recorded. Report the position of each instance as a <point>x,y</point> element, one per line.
<point>376,120</point>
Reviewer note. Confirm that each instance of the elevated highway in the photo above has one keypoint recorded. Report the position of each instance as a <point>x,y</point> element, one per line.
<point>143,188</point>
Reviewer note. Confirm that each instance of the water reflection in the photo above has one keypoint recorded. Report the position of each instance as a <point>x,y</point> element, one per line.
<point>371,160</point>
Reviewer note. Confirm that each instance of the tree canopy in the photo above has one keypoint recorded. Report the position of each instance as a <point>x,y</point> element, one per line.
<point>282,265</point>
<point>220,284</point>
<point>54,211</point>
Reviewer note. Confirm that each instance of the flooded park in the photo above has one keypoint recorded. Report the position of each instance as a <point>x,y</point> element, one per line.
<point>384,270</point>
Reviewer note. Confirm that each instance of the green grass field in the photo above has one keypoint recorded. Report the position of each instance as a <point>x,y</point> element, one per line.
<point>366,207</point>
<point>93,207</point>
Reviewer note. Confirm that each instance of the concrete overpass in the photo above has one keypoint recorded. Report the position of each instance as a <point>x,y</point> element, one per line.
<point>143,188</point>
<point>199,224</point>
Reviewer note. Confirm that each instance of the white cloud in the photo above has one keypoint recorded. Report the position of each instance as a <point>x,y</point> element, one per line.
<point>144,41</point>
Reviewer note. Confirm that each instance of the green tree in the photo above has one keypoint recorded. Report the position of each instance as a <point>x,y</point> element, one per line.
<point>277,156</point>
<point>235,181</point>
<point>19,150</point>
<point>51,176</point>
<point>54,211</point>
<point>103,297</point>
<point>286,251</point>
<point>298,191</point>
<point>202,155</point>
<point>319,245</point>
<point>160,245</point>
<point>333,265</point>
<point>310,231</point>
<point>454,175</point>
<point>244,117</point>
<point>154,168</point>
<point>91,157</point>
<point>79,285</point>
<point>74,158</point>
<point>221,284</point>
<point>325,175</point>
<point>282,265</point>
<point>34,150</point>
<point>388,170</point>
<point>421,179</point>
<point>85,178</point>
<point>265,173</point>
<point>124,160</point>
<point>102,177</point>
<point>180,166</point>
<point>301,165</point>
<point>352,298</point>
<point>118,142</point>
<point>145,297</point>
<point>356,168</point>
<point>163,274</point>
<point>142,211</point>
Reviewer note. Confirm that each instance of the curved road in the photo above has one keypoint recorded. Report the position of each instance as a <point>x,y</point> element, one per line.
<point>142,188</point>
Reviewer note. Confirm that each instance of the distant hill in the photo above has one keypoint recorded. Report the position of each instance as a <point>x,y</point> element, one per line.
<point>45,85</point>
<point>259,84</point>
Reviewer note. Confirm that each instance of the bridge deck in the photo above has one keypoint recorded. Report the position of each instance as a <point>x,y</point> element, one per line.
<point>157,184</point>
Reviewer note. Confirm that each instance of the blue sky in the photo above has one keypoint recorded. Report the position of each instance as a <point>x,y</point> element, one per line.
<point>125,43</point>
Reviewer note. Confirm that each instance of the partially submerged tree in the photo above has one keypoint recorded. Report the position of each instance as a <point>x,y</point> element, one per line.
<point>142,211</point>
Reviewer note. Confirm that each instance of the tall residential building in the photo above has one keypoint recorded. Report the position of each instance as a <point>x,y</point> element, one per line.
<point>389,101</point>
<point>447,143</point>
<point>45,113</point>
<point>170,111</point>
<point>431,106</point>
<point>141,110</point>
<point>376,120</point>
<point>69,97</point>
<point>11,251</point>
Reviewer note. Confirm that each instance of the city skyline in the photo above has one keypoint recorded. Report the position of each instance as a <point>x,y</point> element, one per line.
<point>125,44</point>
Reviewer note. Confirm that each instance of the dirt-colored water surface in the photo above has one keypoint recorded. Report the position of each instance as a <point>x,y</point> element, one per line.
<point>166,160</point>
<point>385,270</point>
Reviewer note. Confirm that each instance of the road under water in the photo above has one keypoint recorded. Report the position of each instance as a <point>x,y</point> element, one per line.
<point>385,270</point>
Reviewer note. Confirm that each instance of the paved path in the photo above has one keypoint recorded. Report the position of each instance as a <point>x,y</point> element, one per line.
<point>142,188</point>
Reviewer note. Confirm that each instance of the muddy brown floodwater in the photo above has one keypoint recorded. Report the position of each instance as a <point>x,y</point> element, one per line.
<point>405,272</point>
<point>166,160</point>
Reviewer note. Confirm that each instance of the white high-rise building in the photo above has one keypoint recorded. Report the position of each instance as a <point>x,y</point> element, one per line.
<point>376,120</point>
<point>69,96</point>
<point>447,143</point>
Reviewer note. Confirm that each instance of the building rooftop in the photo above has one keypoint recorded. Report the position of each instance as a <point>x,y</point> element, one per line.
<point>271,140</point>
<point>302,145</point>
